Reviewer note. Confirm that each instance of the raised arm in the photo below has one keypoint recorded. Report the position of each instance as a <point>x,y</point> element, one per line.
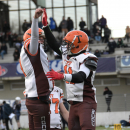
<point>34,32</point>
<point>49,36</point>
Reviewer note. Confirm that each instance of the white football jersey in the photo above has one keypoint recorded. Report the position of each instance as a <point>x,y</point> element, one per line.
<point>84,91</point>
<point>56,98</point>
<point>34,68</point>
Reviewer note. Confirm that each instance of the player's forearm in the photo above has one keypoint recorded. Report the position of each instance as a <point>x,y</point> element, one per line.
<point>75,78</point>
<point>64,112</point>
<point>34,37</point>
<point>34,28</point>
<point>51,40</point>
<point>65,115</point>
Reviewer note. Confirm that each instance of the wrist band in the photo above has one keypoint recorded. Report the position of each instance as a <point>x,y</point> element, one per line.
<point>67,77</point>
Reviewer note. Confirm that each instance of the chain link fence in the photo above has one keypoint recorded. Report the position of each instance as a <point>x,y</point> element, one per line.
<point>119,102</point>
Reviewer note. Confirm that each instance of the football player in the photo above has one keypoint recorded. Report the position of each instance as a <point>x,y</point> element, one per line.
<point>34,64</point>
<point>79,71</point>
<point>56,108</point>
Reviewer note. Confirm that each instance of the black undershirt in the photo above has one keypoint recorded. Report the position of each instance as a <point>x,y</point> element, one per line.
<point>52,41</point>
<point>78,77</point>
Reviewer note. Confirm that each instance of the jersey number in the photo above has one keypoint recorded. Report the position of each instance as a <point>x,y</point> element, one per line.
<point>69,71</point>
<point>56,102</point>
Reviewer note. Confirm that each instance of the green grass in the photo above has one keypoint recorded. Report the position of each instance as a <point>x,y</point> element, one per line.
<point>103,128</point>
<point>98,128</point>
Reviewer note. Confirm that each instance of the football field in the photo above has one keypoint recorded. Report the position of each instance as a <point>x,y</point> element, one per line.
<point>103,128</point>
<point>98,128</point>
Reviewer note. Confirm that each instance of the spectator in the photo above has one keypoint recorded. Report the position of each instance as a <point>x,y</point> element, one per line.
<point>6,27</point>
<point>6,37</point>
<point>97,34</point>
<point>107,33</point>
<point>25,26</point>
<point>40,24</point>
<point>125,123</point>
<point>17,109</point>
<point>10,39</point>
<point>111,45</point>
<point>104,52</point>
<point>1,37</point>
<point>90,50</point>
<point>3,50</point>
<point>53,25</point>
<point>102,35</point>
<point>16,54</point>
<point>1,115</point>
<point>67,107</point>
<point>87,31</point>
<point>82,24</point>
<point>127,35</point>
<point>103,22</point>
<point>120,43</point>
<point>70,24</point>
<point>7,110</point>
<point>15,36</point>
<point>97,53</point>
<point>29,24</point>
<point>97,23</point>
<point>63,26</point>
<point>10,119</point>
<point>108,96</point>
<point>18,44</point>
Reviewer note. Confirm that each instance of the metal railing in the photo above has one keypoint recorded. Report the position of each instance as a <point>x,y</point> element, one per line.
<point>119,102</point>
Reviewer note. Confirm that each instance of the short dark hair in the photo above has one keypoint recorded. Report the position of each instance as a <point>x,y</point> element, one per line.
<point>4,102</point>
<point>106,88</point>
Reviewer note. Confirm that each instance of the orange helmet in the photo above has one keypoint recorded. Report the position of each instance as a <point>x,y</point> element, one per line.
<point>27,34</point>
<point>76,41</point>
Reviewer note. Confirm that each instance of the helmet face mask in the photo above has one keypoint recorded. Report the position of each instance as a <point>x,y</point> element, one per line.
<point>75,41</point>
<point>68,45</point>
<point>41,39</point>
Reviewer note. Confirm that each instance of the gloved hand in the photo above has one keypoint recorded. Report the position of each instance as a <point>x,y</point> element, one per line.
<point>44,17</point>
<point>54,75</point>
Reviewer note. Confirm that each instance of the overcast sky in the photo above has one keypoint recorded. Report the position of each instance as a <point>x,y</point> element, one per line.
<point>117,13</point>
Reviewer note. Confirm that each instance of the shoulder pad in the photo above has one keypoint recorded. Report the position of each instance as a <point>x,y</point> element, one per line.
<point>91,63</point>
<point>81,58</point>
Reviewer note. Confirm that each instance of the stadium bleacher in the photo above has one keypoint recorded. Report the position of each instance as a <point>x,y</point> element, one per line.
<point>8,58</point>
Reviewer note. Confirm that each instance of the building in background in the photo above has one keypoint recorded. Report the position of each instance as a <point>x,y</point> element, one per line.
<point>16,11</point>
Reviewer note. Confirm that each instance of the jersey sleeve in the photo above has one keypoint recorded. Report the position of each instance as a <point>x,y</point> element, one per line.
<point>89,60</point>
<point>80,58</point>
<point>84,69</point>
<point>51,40</point>
<point>61,96</point>
<point>33,48</point>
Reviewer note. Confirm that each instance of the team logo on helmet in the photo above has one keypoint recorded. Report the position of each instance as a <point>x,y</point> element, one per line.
<point>75,41</point>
